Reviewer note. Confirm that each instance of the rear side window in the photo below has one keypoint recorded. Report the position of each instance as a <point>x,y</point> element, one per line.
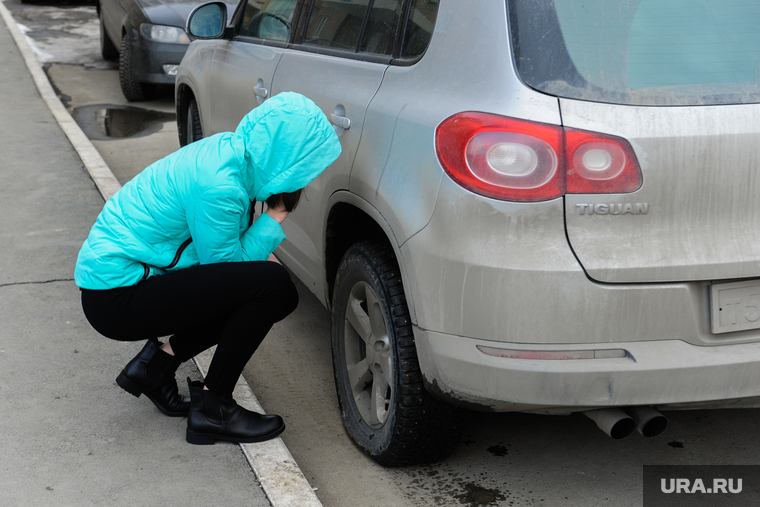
<point>268,19</point>
<point>336,23</point>
<point>419,28</point>
<point>371,27</point>
<point>639,52</point>
<point>380,33</point>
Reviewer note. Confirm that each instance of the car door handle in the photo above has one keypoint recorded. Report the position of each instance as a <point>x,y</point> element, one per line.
<point>340,121</point>
<point>261,91</point>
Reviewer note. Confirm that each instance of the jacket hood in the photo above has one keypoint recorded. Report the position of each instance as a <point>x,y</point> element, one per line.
<point>286,142</point>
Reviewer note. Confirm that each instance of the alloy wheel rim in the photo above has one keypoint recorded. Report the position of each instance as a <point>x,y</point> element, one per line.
<point>369,357</point>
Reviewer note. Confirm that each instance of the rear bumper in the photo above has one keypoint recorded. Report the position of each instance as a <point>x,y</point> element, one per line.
<point>665,373</point>
<point>501,274</point>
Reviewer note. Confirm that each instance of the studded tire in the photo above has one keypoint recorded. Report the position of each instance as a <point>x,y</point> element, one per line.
<point>384,405</point>
<point>133,90</point>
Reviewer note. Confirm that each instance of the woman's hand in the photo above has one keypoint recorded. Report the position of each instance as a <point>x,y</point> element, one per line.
<point>279,213</point>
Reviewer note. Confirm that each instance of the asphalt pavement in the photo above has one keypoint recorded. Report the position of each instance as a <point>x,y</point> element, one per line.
<point>70,436</point>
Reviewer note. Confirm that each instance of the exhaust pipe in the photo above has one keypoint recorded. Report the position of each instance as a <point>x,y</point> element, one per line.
<point>613,421</point>
<point>649,422</point>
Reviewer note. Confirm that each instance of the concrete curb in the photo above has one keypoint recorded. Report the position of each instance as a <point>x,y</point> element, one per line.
<point>277,471</point>
<point>274,466</point>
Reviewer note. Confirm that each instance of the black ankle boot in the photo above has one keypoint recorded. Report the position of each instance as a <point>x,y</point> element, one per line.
<point>151,372</point>
<point>213,417</point>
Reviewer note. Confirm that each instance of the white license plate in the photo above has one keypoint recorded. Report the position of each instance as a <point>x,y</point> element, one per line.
<point>735,306</point>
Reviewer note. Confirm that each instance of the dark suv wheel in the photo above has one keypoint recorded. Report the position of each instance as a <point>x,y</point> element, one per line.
<point>385,407</point>
<point>133,90</point>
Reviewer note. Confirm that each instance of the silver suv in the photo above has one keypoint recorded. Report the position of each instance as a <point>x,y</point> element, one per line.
<point>545,206</point>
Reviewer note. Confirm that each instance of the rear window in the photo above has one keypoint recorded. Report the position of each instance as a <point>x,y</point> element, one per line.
<point>646,52</point>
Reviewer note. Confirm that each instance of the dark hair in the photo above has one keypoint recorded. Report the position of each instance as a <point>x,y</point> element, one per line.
<point>289,200</point>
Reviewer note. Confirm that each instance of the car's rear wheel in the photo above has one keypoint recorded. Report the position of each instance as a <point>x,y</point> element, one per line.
<point>107,48</point>
<point>385,407</point>
<point>194,131</point>
<point>133,90</point>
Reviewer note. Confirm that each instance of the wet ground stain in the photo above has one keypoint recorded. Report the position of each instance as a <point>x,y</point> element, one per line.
<point>498,450</point>
<point>438,485</point>
<point>439,488</point>
<point>475,495</point>
<point>103,122</point>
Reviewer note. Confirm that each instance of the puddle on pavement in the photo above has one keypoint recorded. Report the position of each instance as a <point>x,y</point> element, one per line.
<point>107,122</point>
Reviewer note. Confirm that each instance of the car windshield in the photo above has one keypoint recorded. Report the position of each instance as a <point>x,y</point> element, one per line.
<point>639,52</point>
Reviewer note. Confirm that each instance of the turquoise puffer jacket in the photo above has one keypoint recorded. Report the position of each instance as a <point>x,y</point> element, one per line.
<point>195,205</point>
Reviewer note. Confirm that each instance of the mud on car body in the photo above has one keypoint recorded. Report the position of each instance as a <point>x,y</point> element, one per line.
<point>542,205</point>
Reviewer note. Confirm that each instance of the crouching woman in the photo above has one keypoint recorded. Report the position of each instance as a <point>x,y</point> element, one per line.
<point>176,252</point>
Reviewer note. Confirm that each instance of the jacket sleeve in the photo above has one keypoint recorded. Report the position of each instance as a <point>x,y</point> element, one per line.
<point>262,238</point>
<point>215,228</point>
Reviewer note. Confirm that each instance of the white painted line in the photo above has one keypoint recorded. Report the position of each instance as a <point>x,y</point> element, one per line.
<point>274,466</point>
<point>99,171</point>
<point>277,471</point>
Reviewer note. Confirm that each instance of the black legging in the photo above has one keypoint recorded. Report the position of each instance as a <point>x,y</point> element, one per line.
<point>232,305</point>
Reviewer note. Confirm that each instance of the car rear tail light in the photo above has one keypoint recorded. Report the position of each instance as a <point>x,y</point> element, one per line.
<point>519,160</point>
<point>501,157</point>
<point>600,164</point>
